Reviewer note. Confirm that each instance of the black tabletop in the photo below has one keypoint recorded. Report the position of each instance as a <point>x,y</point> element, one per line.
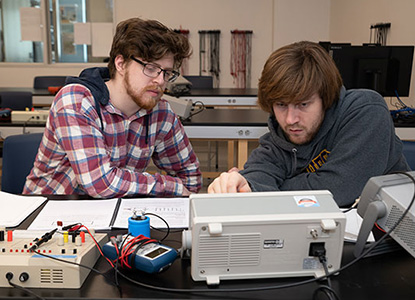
<point>217,92</point>
<point>228,117</point>
<point>35,92</point>
<point>207,117</point>
<point>223,92</point>
<point>386,276</point>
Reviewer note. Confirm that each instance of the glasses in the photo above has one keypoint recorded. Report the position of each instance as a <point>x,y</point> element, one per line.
<point>152,70</point>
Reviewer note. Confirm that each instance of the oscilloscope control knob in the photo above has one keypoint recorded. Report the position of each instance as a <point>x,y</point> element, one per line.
<point>23,277</point>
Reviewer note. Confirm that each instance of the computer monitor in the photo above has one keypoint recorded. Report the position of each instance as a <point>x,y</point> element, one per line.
<point>329,45</point>
<point>385,69</point>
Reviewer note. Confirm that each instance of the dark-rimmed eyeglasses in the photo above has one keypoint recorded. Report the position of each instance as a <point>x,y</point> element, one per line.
<point>152,70</point>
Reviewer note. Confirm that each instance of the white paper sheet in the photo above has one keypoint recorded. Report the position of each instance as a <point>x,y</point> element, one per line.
<point>95,214</point>
<point>14,209</point>
<point>353,224</point>
<point>174,210</point>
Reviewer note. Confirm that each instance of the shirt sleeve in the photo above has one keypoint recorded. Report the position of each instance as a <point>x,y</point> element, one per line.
<point>174,154</point>
<point>78,132</point>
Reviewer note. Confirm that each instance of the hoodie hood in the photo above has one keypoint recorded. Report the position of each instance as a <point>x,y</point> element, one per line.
<point>94,79</point>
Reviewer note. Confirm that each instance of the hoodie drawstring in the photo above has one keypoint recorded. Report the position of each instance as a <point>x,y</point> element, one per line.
<point>294,165</point>
<point>98,108</point>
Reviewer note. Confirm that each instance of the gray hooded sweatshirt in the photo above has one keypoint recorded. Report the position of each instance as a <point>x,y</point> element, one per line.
<point>356,141</point>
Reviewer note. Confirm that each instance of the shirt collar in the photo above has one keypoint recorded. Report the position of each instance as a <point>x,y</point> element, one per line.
<point>140,113</point>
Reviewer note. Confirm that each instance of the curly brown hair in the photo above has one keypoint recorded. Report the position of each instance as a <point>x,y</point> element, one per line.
<point>297,71</point>
<point>149,40</point>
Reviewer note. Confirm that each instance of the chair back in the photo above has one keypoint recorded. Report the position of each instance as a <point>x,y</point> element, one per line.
<point>19,153</point>
<point>409,153</point>
<point>200,82</point>
<point>16,100</point>
<point>43,82</point>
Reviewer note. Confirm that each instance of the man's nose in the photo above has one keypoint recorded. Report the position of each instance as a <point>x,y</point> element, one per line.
<point>292,115</point>
<point>159,79</point>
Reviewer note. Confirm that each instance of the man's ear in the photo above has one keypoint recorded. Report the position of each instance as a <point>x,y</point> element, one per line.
<point>120,64</point>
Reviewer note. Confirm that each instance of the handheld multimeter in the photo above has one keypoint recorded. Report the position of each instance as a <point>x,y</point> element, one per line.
<point>150,258</point>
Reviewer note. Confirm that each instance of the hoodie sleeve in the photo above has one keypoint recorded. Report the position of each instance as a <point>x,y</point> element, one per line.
<point>266,167</point>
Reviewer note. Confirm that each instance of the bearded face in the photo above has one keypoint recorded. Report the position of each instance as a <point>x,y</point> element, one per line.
<point>146,96</point>
<point>300,121</point>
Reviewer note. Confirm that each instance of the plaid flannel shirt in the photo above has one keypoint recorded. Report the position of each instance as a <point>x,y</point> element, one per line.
<point>81,155</point>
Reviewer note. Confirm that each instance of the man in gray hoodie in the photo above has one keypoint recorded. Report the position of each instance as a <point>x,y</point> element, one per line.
<point>322,136</point>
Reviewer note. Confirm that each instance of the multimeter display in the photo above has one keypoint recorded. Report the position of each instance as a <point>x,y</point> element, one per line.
<point>159,251</point>
<point>150,258</point>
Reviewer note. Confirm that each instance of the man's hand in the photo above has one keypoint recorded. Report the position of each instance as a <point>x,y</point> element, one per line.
<point>185,192</point>
<point>229,182</point>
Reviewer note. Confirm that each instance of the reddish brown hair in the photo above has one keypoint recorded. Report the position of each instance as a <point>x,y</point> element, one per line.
<point>149,40</point>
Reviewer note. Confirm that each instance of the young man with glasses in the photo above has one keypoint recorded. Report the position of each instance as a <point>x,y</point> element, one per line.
<point>106,125</point>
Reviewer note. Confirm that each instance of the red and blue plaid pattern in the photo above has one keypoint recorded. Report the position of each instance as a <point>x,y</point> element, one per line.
<point>77,157</point>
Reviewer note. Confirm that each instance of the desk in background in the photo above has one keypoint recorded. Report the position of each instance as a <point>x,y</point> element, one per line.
<point>40,97</point>
<point>209,97</point>
<point>229,98</point>
<point>233,125</point>
<point>7,128</point>
<point>406,133</point>
<point>223,97</point>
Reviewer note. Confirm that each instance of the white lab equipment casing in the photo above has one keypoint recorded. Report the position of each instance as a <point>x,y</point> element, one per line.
<point>262,234</point>
<point>181,107</point>
<point>384,200</point>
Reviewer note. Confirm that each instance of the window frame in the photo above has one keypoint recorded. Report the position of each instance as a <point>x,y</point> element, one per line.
<point>46,36</point>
